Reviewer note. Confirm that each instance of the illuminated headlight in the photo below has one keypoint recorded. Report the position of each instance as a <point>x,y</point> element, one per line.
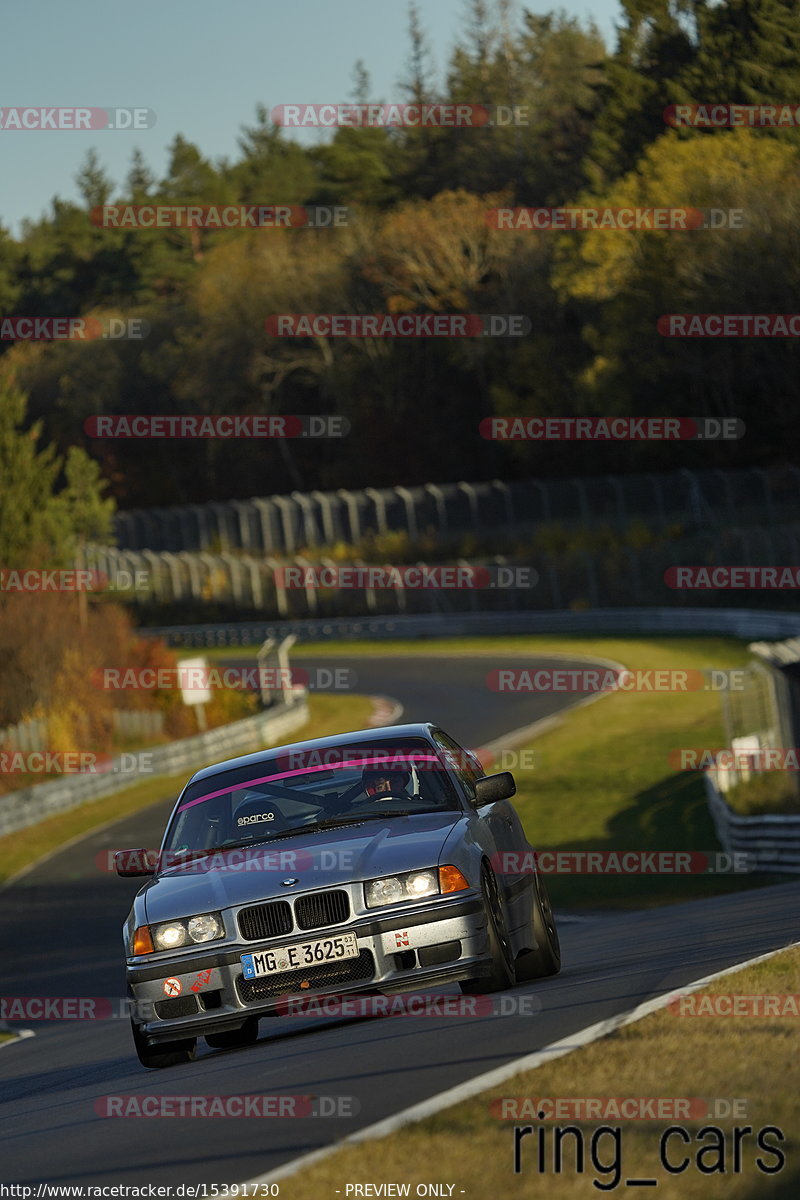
<point>167,937</point>
<point>394,888</point>
<point>205,928</point>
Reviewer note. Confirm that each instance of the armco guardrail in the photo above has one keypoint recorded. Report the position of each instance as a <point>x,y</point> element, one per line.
<point>315,586</point>
<point>772,840</point>
<point>284,524</point>
<point>29,805</point>
<point>743,623</point>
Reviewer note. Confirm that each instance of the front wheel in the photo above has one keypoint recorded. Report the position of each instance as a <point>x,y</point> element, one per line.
<point>169,1054</point>
<point>546,958</point>
<point>502,974</point>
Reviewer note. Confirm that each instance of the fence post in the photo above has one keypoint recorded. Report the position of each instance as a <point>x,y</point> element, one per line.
<point>190,559</point>
<point>262,658</point>
<point>369,592</point>
<point>251,566</point>
<point>353,513</point>
<point>506,492</point>
<point>310,531</point>
<point>286,507</point>
<point>411,516</point>
<point>471,495</point>
<point>441,509</point>
<point>264,508</point>
<point>310,590</point>
<point>380,508</point>
<point>287,692</point>
<point>280,587</point>
<point>325,502</point>
<point>235,576</point>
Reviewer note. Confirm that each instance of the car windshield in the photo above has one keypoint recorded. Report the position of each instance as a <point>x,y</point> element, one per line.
<point>304,790</point>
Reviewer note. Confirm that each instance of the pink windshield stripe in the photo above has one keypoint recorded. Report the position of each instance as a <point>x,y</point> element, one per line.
<point>357,762</point>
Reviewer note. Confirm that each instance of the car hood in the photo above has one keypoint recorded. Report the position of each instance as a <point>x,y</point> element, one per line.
<point>330,857</point>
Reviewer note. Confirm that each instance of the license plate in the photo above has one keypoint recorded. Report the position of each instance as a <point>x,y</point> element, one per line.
<point>302,954</point>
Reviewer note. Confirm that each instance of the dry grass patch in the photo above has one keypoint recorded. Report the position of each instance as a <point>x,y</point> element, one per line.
<point>663,1055</point>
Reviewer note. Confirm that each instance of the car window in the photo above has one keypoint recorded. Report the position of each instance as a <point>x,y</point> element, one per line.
<point>463,762</point>
<point>294,792</point>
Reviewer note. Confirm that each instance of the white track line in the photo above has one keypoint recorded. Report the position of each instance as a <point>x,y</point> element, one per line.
<point>385,711</point>
<point>19,1036</point>
<point>481,1083</point>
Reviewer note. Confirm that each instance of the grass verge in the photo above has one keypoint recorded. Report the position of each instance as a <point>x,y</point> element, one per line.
<point>663,1055</point>
<point>766,792</point>
<point>329,715</point>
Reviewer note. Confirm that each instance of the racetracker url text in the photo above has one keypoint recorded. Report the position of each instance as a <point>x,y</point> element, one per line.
<point>181,1191</point>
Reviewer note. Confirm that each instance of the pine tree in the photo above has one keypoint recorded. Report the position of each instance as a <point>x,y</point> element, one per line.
<point>357,166</point>
<point>93,183</point>
<point>272,169</point>
<point>140,181</point>
<point>749,53</point>
<point>655,50</point>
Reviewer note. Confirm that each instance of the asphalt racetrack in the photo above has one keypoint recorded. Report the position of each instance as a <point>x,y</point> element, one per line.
<point>60,936</point>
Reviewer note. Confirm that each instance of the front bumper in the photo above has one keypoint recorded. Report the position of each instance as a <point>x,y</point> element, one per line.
<point>202,991</point>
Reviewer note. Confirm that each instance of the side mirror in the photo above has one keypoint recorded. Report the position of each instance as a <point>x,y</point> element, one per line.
<point>495,787</point>
<point>135,862</point>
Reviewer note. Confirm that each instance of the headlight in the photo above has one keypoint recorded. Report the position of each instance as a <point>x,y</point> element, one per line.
<point>205,928</point>
<point>167,937</point>
<point>394,888</point>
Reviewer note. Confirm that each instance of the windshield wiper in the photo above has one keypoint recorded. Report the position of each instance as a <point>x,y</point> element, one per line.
<point>240,844</point>
<point>371,816</point>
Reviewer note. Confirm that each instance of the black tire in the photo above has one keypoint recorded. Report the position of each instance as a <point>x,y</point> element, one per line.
<point>168,1054</point>
<point>502,975</point>
<point>230,1038</point>
<point>546,959</point>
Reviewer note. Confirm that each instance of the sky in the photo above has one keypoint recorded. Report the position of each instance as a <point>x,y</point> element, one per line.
<point>202,66</point>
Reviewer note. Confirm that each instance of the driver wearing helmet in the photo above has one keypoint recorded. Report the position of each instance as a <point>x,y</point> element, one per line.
<point>385,781</point>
